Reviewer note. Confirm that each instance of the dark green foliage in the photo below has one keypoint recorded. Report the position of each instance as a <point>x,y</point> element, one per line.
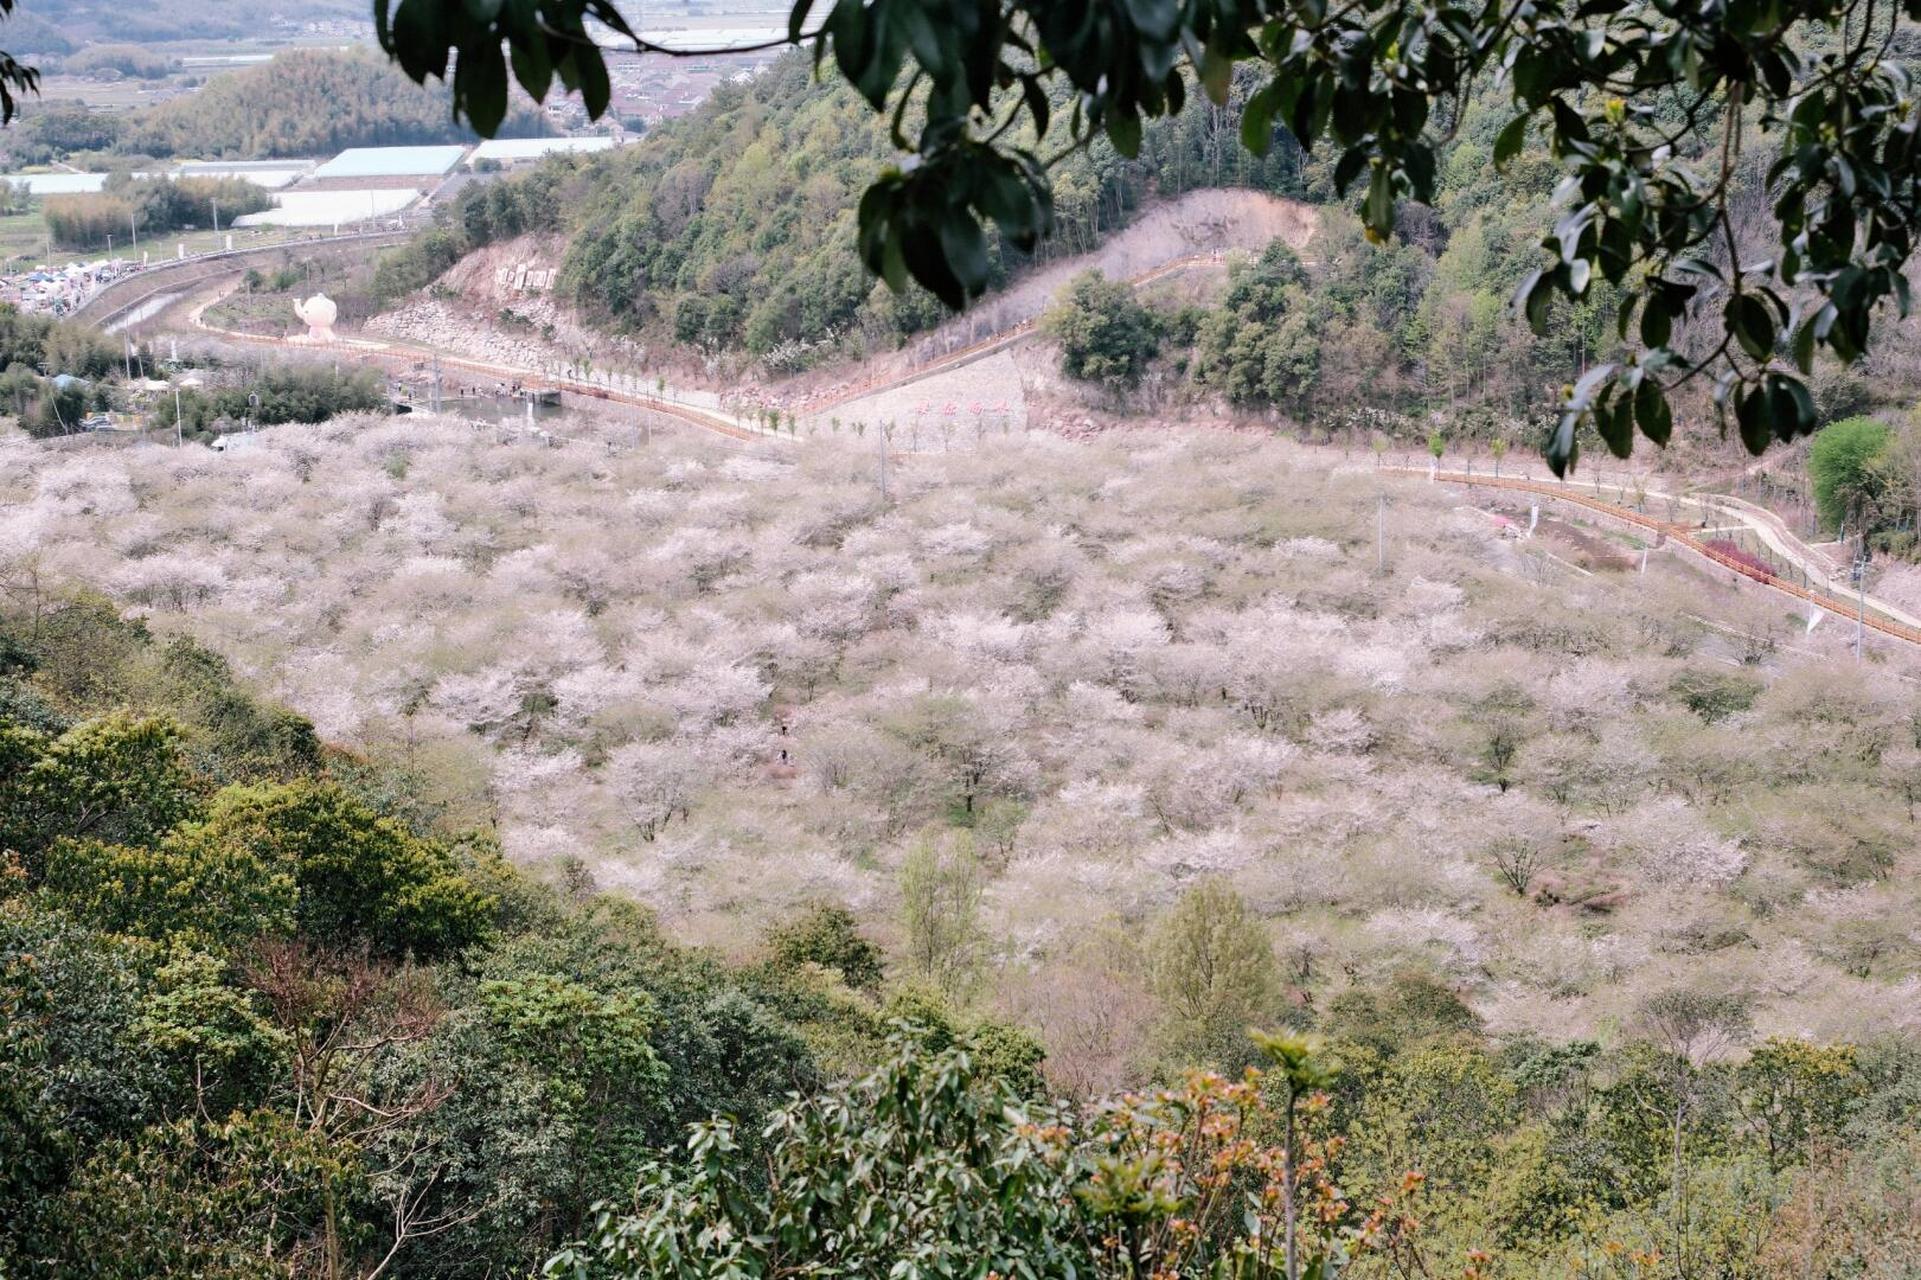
<point>32,345</point>
<point>829,937</point>
<point>54,411</point>
<point>76,653</point>
<point>248,1023</point>
<point>230,1198</point>
<point>149,206</point>
<point>1001,1052</point>
<point>1409,1008</point>
<point>1714,694</point>
<point>1105,335</point>
<point>40,342</point>
<point>286,393</point>
<point>305,102</point>
<point>926,1158</point>
<point>1262,345</point>
<point>738,223</point>
<point>192,885</point>
<point>479,215</point>
<point>54,131</point>
<point>72,1071</point>
<point>117,778</point>
<point>416,264</point>
<point>361,878</point>
<point>232,733</point>
<point>734,228</point>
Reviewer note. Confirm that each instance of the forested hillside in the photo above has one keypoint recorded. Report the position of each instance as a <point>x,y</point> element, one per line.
<point>304,103</point>
<point>733,228</point>
<point>732,232</point>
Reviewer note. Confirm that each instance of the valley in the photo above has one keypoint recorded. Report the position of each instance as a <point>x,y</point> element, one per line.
<point>1152,644</point>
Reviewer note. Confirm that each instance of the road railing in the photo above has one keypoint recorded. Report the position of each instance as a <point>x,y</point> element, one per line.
<point>1682,536</point>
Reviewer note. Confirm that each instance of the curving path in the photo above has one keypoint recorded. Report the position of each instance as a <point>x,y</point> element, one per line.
<point>1874,614</point>
<point>847,393</point>
<point>394,353</point>
<point>107,307</point>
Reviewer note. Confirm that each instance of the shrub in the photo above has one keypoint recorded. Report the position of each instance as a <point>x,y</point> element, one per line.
<point>827,936</point>
<point>1741,556</point>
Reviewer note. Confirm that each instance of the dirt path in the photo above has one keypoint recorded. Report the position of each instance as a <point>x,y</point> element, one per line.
<point>1193,233</point>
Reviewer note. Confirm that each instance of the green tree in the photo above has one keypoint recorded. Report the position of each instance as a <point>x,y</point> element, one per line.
<point>1214,974</point>
<point>218,1042</point>
<point>360,876</point>
<point>1000,1051</point>
<point>940,889</point>
<point>1105,335</point>
<point>1689,1030</point>
<point>73,1071</point>
<point>828,936</point>
<point>1409,1008</point>
<point>1262,345</point>
<point>232,1198</point>
<point>118,778</point>
<point>600,1078</point>
<point>194,884</point>
<point>1442,1108</point>
<point>1841,462</point>
<point>1793,1094</point>
<point>928,1161</point>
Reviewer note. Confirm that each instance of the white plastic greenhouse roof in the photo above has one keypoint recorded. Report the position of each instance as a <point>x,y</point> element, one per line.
<point>391,162</point>
<point>59,184</point>
<point>534,148</point>
<point>325,208</point>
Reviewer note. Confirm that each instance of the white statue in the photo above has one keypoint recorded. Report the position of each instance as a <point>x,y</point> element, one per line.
<point>319,312</point>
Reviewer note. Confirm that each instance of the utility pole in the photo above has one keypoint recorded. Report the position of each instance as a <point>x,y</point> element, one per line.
<point>177,438</point>
<point>1860,599</point>
<point>133,226</point>
<point>216,214</point>
<point>1380,532</point>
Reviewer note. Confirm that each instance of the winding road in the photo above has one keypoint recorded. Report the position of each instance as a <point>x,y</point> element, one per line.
<point>1874,613</point>
<point>1817,571</point>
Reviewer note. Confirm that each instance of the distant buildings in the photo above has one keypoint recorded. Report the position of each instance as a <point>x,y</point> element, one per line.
<point>58,290</point>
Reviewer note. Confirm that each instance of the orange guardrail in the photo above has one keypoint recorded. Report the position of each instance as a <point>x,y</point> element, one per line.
<point>1679,534</point>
